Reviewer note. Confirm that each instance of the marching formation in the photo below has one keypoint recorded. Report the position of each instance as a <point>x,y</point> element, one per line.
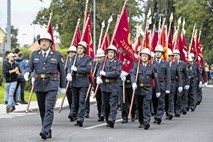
<point>151,80</point>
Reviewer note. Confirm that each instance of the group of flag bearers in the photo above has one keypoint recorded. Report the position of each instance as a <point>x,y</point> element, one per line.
<point>160,86</point>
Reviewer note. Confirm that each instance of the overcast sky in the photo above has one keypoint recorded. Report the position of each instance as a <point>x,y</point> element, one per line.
<point>23,12</point>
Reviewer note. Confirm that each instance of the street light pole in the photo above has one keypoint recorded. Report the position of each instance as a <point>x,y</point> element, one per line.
<point>94,26</point>
<point>8,25</point>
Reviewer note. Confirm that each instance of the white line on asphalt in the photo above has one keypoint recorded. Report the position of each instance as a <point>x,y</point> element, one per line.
<point>99,125</point>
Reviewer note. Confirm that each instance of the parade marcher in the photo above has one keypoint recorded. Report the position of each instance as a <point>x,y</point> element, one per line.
<point>181,98</point>
<point>204,80</point>
<point>143,87</point>
<point>195,81</point>
<point>99,98</point>
<point>47,65</point>
<point>176,85</point>
<point>164,74</point>
<point>128,96</point>
<point>110,84</point>
<point>79,82</point>
<point>71,52</point>
<point>11,72</point>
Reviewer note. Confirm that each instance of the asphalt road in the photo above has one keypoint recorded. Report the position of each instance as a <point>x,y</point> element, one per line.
<point>194,127</point>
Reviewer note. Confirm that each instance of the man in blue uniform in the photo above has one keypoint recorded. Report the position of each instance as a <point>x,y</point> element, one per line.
<point>146,74</point>
<point>79,81</point>
<point>99,97</point>
<point>48,66</point>
<point>71,52</point>
<point>164,74</point>
<point>176,86</point>
<point>181,98</point>
<point>110,84</point>
<point>195,81</point>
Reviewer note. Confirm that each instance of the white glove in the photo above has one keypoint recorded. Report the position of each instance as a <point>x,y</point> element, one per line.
<point>200,84</point>
<point>73,68</point>
<point>32,80</point>
<point>167,91</point>
<point>123,73</point>
<point>69,77</point>
<point>26,76</point>
<point>186,87</point>
<point>205,84</point>
<point>158,94</point>
<point>62,91</point>
<point>180,89</point>
<point>123,78</point>
<point>99,80</point>
<point>134,86</point>
<point>103,73</point>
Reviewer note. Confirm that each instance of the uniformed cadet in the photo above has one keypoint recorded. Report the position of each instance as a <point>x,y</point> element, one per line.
<point>176,86</point>
<point>71,52</point>
<point>146,74</point>
<point>126,100</point>
<point>164,74</point>
<point>195,81</point>
<point>79,82</point>
<point>181,98</point>
<point>99,98</point>
<point>48,66</point>
<point>110,84</point>
<point>204,79</point>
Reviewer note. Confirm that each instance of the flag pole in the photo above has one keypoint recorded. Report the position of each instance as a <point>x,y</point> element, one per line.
<point>101,33</point>
<point>85,13</point>
<point>190,46</point>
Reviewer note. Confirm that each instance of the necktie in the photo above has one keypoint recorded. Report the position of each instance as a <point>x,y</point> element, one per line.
<point>44,56</point>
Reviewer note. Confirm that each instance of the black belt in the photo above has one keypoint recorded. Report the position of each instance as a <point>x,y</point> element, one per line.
<point>81,75</point>
<point>173,81</point>
<point>110,80</point>
<point>145,85</point>
<point>46,75</point>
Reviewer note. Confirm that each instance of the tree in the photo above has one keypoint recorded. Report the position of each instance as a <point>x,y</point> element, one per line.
<point>14,40</point>
<point>201,13</point>
<point>67,12</point>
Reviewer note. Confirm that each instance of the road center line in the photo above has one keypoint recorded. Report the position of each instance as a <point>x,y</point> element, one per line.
<point>99,125</point>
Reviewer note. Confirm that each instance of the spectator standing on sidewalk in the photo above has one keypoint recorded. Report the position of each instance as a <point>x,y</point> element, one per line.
<point>11,72</point>
<point>211,73</point>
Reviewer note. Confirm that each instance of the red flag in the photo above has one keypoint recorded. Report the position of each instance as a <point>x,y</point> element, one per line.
<point>163,42</point>
<point>87,37</point>
<point>170,44</point>
<point>199,52</point>
<point>183,48</point>
<point>137,44</point>
<point>146,43</point>
<point>123,39</point>
<point>106,42</point>
<point>50,31</point>
<point>77,37</point>
<point>154,41</point>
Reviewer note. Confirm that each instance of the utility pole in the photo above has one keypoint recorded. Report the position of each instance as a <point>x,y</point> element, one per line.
<point>8,25</point>
<point>94,26</point>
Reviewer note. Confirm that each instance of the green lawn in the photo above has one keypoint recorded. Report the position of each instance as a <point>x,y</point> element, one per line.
<point>26,95</point>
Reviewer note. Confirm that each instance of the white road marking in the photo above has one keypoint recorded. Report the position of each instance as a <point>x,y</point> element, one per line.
<point>99,125</point>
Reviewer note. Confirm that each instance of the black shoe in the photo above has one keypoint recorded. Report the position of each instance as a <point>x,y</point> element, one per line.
<point>198,103</point>
<point>133,119</point>
<point>8,110</point>
<point>72,118</point>
<point>43,135</point>
<point>141,125</point>
<point>80,123</point>
<point>23,102</point>
<point>184,112</point>
<point>124,121</point>
<point>5,102</point>
<point>157,120</point>
<point>111,124</point>
<point>187,108</point>
<point>86,115</point>
<point>177,115</point>
<point>192,109</point>
<point>100,119</point>
<point>169,117</point>
<point>146,126</point>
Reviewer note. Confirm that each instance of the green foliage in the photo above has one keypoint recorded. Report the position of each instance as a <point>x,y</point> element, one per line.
<point>14,40</point>
<point>26,52</point>
<point>67,12</point>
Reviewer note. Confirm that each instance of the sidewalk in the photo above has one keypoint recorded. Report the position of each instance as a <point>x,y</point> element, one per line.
<point>34,106</point>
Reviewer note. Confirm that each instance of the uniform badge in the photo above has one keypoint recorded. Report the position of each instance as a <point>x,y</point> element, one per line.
<point>51,52</point>
<point>156,74</point>
<point>53,59</point>
<point>36,59</point>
